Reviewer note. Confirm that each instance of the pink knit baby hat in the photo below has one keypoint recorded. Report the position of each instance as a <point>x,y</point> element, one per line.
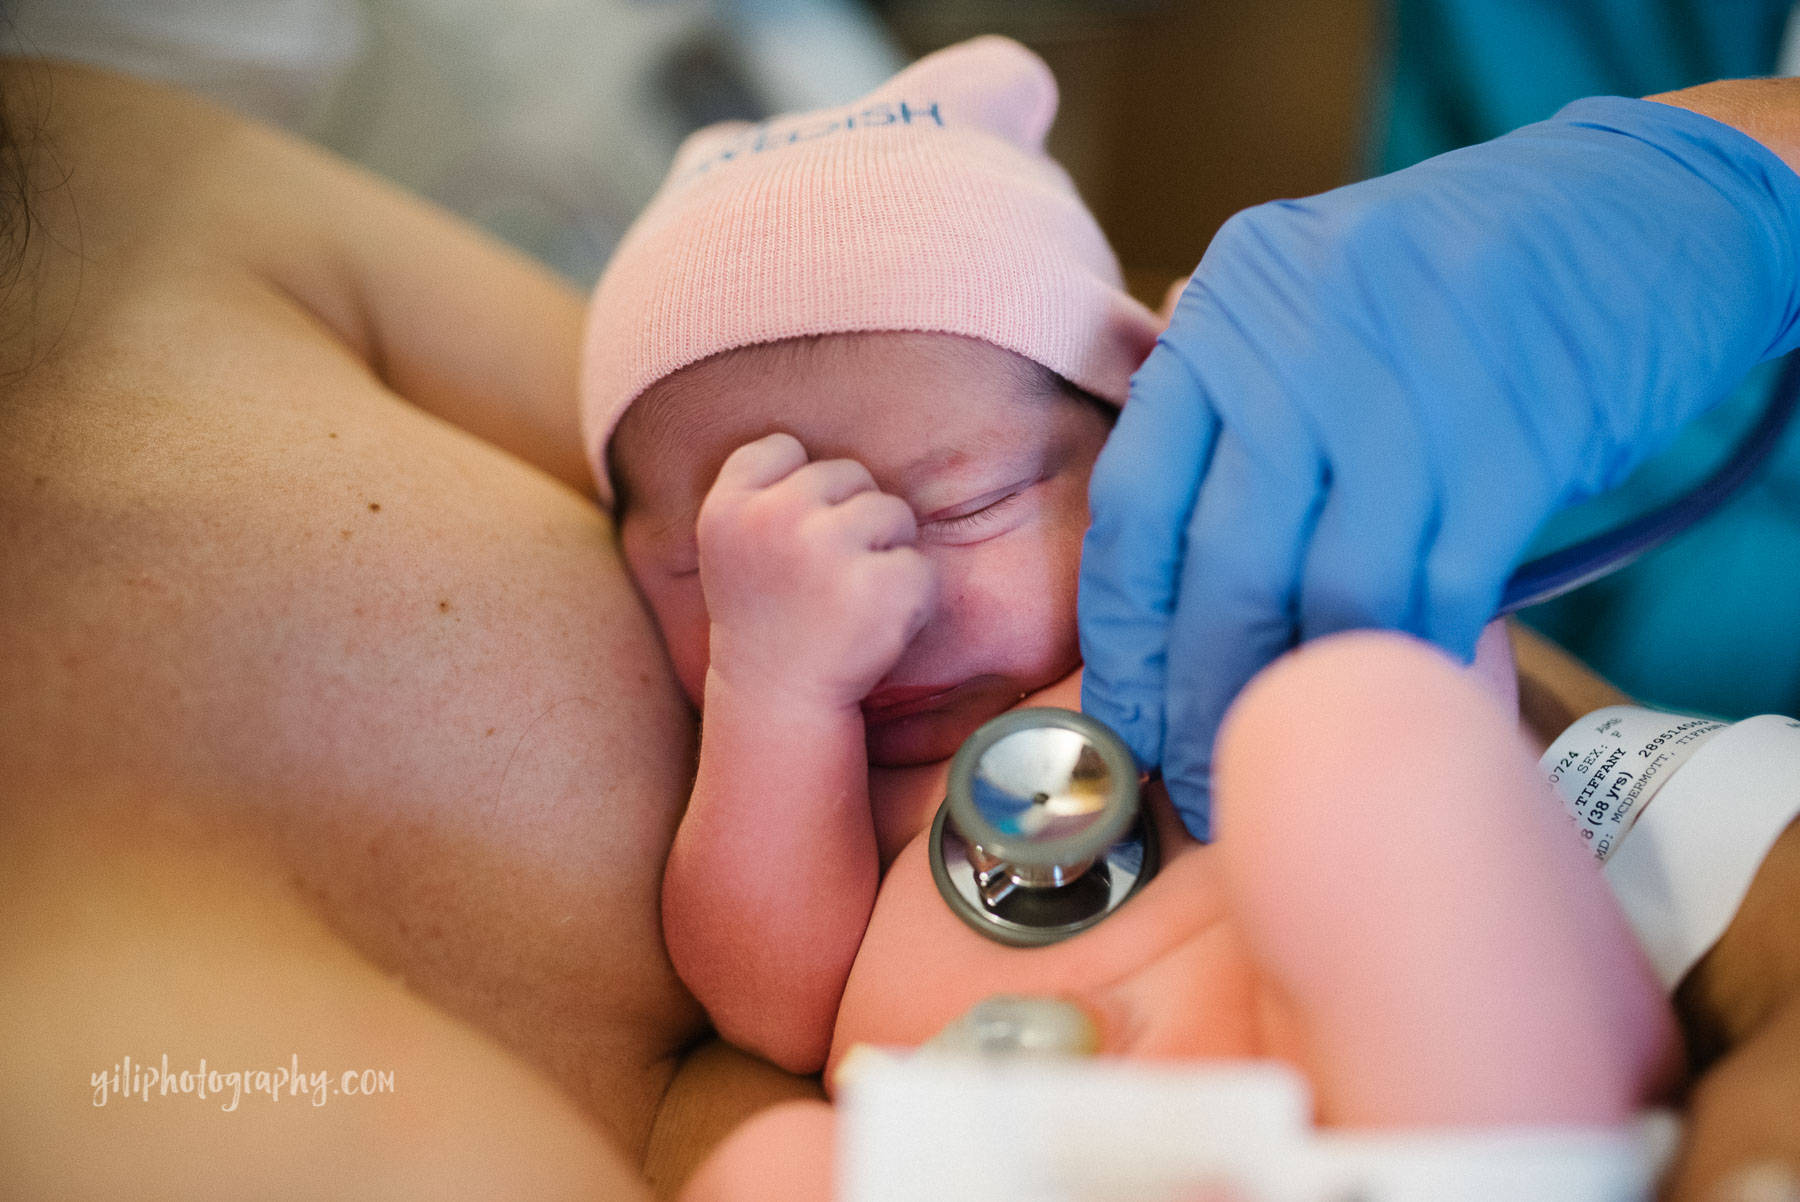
<point>928,205</point>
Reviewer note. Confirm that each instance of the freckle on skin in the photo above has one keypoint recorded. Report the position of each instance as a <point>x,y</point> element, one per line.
<point>344,533</point>
<point>374,506</point>
<point>490,730</point>
<point>40,481</point>
<point>443,607</point>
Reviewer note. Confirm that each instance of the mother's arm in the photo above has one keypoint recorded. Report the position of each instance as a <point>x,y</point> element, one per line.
<point>1740,1006</point>
<point>1555,688</point>
<point>461,326</point>
<point>445,316</point>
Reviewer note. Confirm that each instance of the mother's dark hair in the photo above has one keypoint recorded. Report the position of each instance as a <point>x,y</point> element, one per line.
<point>15,201</point>
<point>25,91</point>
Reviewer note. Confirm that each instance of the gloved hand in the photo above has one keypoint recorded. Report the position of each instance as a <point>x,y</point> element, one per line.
<point>1368,401</point>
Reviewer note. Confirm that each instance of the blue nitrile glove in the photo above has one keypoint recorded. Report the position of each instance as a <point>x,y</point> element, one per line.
<point>1367,401</point>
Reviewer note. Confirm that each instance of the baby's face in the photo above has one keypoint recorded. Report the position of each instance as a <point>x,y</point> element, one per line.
<point>989,450</point>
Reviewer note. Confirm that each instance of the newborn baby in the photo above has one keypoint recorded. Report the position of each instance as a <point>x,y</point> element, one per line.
<point>832,638</point>
<point>845,383</point>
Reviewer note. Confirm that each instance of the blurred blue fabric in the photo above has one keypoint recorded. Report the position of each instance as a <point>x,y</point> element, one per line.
<point>1711,621</point>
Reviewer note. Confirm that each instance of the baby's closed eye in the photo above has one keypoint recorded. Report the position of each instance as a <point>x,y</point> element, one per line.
<point>983,517</point>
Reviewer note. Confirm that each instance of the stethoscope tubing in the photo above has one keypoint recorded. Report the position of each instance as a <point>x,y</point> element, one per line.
<point>1602,554</point>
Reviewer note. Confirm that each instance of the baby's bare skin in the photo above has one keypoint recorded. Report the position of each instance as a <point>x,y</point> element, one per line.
<point>282,642</point>
<point>1176,940</point>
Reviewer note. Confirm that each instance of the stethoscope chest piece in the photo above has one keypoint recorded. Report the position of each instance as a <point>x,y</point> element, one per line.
<point>1040,834</point>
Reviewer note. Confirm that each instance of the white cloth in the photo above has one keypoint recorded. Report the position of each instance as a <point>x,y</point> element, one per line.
<point>1100,1129</point>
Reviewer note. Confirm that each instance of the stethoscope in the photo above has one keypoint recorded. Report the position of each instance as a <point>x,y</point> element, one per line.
<point>1041,833</point>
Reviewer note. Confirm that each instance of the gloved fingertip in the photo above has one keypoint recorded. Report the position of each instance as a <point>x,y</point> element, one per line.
<point>1140,731</point>
<point>1457,630</point>
<point>1191,795</point>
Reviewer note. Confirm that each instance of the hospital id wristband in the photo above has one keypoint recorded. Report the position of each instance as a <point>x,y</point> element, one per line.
<point>1608,765</point>
<point>1681,812</point>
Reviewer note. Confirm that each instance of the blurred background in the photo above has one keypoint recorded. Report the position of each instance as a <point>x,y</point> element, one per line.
<point>550,122</point>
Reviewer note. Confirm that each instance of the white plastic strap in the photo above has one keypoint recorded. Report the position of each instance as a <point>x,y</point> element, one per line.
<point>1722,796</point>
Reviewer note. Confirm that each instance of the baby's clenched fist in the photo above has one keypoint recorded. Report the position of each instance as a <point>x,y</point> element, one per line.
<point>812,583</point>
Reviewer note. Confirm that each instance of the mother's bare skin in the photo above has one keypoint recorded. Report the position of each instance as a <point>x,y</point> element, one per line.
<point>323,717</point>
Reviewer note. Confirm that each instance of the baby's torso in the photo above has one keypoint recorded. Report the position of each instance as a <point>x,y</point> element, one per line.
<point>1168,975</point>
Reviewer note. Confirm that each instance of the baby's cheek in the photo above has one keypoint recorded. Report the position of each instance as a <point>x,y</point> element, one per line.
<point>1011,603</point>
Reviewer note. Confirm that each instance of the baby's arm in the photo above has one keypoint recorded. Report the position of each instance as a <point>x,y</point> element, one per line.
<point>813,590</point>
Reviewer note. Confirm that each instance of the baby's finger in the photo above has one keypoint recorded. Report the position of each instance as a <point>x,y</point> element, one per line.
<point>831,481</point>
<point>759,464</point>
<point>875,521</point>
<point>901,580</point>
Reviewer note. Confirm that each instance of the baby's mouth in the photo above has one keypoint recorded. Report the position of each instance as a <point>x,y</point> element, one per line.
<point>903,701</point>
